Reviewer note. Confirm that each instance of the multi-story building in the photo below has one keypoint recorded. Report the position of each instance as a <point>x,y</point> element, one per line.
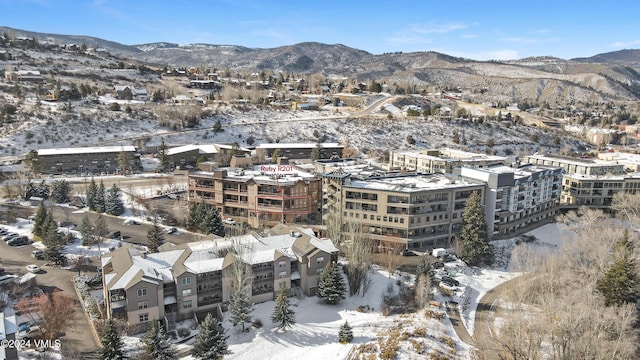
<point>579,166</point>
<point>417,211</point>
<point>596,191</point>
<point>195,278</point>
<point>300,150</point>
<point>440,161</point>
<point>518,199</point>
<point>86,159</point>
<point>266,195</point>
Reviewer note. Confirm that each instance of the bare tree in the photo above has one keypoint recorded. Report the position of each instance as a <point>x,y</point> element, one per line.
<point>628,206</point>
<point>391,255</point>
<point>358,248</point>
<point>423,290</point>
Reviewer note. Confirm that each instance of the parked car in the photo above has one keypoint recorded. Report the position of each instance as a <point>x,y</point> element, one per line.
<point>38,254</point>
<point>10,236</point>
<point>7,279</point>
<point>25,326</point>
<point>114,235</point>
<point>4,231</point>
<point>437,265</point>
<point>171,230</point>
<point>33,268</point>
<point>448,279</point>
<point>408,252</point>
<point>32,333</point>
<point>18,241</point>
<point>229,221</point>
<point>130,222</point>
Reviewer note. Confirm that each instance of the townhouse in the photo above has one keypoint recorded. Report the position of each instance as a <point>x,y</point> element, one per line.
<point>195,278</point>
<point>86,159</point>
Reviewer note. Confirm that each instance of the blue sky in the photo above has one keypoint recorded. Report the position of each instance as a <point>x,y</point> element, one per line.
<point>476,29</point>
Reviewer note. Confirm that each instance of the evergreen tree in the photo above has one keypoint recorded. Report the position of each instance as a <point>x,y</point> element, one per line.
<point>39,219</point>
<point>474,239</point>
<point>92,191</point>
<point>275,155</point>
<point>100,227</point>
<point>331,286</point>
<point>163,159</point>
<point>155,237</point>
<point>211,342</point>
<point>212,223</point>
<point>240,307</point>
<point>100,198</point>
<point>156,344</point>
<point>113,201</point>
<point>620,284</point>
<point>87,231</point>
<point>53,242</point>
<point>282,313</point>
<point>424,266</point>
<point>60,191</point>
<point>345,335</point>
<point>112,344</point>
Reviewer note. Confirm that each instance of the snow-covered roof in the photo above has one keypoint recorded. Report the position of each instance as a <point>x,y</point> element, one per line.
<point>202,149</point>
<point>411,183</point>
<point>297,145</point>
<point>276,177</point>
<point>86,150</point>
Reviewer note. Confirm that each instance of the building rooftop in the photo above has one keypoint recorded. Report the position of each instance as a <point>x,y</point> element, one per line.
<point>451,155</point>
<point>411,183</point>
<point>265,174</point>
<point>202,149</point>
<point>86,150</point>
<point>297,145</point>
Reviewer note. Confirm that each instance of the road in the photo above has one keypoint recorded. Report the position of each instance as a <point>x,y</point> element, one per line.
<point>484,320</point>
<point>77,334</point>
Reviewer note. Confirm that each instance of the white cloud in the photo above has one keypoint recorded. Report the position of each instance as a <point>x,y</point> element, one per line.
<point>627,44</point>
<point>418,33</point>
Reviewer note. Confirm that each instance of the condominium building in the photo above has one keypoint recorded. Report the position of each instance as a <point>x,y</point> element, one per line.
<point>518,199</point>
<point>572,165</point>
<point>265,195</point>
<point>416,211</point>
<point>440,161</point>
<point>86,160</point>
<point>596,191</point>
<point>196,278</point>
<point>300,150</point>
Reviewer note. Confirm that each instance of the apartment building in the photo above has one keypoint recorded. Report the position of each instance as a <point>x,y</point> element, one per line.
<point>596,191</point>
<point>572,165</point>
<point>196,278</point>
<point>518,199</point>
<point>416,211</point>
<point>266,195</point>
<point>440,161</point>
<point>79,160</point>
<point>300,150</point>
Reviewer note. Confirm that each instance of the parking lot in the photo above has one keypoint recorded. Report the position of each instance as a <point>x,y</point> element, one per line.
<point>15,259</point>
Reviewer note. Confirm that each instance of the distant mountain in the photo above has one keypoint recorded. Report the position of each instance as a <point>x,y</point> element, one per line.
<point>603,77</point>
<point>627,57</point>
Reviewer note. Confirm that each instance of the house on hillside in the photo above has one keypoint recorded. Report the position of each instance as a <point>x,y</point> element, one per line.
<point>126,92</point>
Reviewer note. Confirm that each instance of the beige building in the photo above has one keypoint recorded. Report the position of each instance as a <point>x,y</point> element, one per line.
<point>572,165</point>
<point>596,191</point>
<point>266,195</point>
<point>440,161</point>
<point>196,278</point>
<point>416,211</point>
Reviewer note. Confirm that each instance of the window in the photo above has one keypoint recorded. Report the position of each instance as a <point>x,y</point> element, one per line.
<point>143,317</point>
<point>283,274</point>
<point>187,304</point>
<point>143,305</point>
<point>320,260</point>
<point>142,292</point>
<point>186,292</point>
<point>186,281</point>
<point>282,263</point>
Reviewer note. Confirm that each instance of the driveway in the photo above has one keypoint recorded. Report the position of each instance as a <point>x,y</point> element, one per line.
<point>78,334</point>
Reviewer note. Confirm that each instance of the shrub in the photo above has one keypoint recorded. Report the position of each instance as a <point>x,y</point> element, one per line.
<point>419,332</point>
<point>257,323</point>
<point>184,332</point>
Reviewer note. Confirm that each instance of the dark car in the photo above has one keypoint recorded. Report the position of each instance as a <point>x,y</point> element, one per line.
<point>450,281</point>
<point>408,252</point>
<point>437,265</point>
<point>114,235</point>
<point>21,240</point>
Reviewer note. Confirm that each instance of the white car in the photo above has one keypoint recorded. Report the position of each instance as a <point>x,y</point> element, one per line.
<point>33,268</point>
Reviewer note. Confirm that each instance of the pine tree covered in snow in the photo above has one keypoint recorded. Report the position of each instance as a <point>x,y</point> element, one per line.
<point>620,284</point>
<point>92,191</point>
<point>211,342</point>
<point>113,201</point>
<point>156,344</point>
<point>213,222</point>
<point>155,237</point>
<point>112,344</point>
<point>474,239</point>
<point>282,312</point>
<point>331,286</point>
<point>39,219</point>
<point>99,200</point>
<point>345,335</point>
<point>87,231</point>
<point>424,266</point>
<point>240,307</point>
